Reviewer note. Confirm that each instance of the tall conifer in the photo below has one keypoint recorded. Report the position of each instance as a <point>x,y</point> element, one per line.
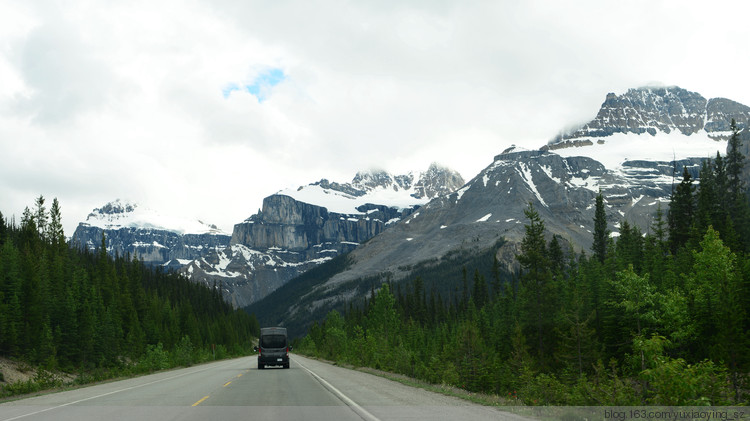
<point>601,233</point>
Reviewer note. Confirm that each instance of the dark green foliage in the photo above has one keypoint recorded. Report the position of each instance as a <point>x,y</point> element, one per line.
<point>601,233</point>
<point>64,308</point>
<point>272,309</point>
<point>660,319</point>
<point>681,212</point>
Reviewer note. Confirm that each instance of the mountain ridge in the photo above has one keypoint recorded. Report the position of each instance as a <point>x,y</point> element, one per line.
<point>293,231</point>
<point>656,109</point>
<point>561,183</point>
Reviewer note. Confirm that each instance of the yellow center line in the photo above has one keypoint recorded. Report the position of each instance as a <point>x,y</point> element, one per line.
<point>239,375</point>
<point>199,402</point>
<point>227,383</point>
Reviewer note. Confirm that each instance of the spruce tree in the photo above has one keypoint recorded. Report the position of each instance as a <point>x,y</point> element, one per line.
<point>717,293</point>
<point>56,234</point>
<point>40,216</point>
<point>480,290</point>
<point>536,287</point>
<point>3,229</point>
<point>601,233</point>
<point>706,198</point>
<point>681,212</point>
<point>735,163</point>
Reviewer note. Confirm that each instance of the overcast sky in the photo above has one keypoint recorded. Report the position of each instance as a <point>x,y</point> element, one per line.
<point>202,108</point>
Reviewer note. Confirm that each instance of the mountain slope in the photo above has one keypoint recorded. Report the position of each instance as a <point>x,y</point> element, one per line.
<point>631,152</point>
<point>653,110</point>
<point>155,238</point>
<point>298,229</point>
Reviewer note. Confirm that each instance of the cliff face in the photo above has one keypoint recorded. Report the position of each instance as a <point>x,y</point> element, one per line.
<point>657,110</point>
<point>298,229</point>
<point>137,231</point>
<point>152,246</point>
<point>296,226</point>
<point>286,238</point>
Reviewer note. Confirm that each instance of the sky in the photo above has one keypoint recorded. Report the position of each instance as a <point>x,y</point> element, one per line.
<point>202,108</point>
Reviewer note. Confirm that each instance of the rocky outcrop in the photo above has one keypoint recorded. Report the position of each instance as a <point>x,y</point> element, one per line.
<point>295,226</point>
<point>152,246</point>
<point>651,110</point>
<point>561,187</point>
<point>132,230</point>
<point>296,230</point>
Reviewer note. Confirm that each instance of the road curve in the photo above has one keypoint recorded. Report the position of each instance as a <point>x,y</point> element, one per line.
<point>236,389</point>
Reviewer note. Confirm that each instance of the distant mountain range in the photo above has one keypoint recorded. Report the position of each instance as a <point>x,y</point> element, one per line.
<point>135,230</point>
<point>632,151</point>
<point>295,230</point>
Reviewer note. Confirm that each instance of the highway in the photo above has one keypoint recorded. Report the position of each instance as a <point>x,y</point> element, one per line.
<point>236,389</point>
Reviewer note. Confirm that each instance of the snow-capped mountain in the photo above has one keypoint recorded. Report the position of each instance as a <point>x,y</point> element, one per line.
<point>380,187</point>
<point>632,152</point>
<point>297,229</point>
<point>140,231</point>
<point>124,214</point>
<point>657,110</point>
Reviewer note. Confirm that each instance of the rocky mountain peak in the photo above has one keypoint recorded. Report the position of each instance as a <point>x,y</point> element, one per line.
<point>656,110</point>
<point>116,207</point>
<point>125,214</point>
<point>383,188</point>
<point>369,180</point>
<point>437,181</point>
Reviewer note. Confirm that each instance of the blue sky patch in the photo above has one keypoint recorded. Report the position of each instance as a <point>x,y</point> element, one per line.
<point>260,87</point>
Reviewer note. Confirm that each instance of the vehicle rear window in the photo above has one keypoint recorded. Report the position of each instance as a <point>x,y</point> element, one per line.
<point>273,341</point>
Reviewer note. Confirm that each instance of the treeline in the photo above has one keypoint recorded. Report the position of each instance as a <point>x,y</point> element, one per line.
<point>657,319</point>
<point>76,310</point>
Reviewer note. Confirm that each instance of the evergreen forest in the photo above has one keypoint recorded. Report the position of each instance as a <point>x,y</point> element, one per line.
<point>654,318</point>
<point>84,312</point>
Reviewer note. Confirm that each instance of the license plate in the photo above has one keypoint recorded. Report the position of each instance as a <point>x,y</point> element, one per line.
<point>279,359</point>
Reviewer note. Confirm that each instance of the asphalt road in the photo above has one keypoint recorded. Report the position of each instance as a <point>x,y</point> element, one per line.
<point>236,389</point>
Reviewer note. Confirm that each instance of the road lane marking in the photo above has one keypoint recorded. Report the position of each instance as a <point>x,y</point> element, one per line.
<point>114,391</point>
<point>227,383</point>
<point>199,402</point>
<point>362,412</point>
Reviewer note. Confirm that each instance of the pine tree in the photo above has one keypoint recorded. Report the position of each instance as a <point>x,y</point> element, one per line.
<point>681,212</point>
<point>536,285</point>
<point>56,234</point>
<point>637,298</point>
<point>655,250</point>
<point>3,229</point>
<point>556,256</point>
<point>629,246</point>
<point>706,199</point>
<point>480,290</point>
<point>735,163</point>
<point>717,294</point>
<point>40,216</point>
<point>578,348</point>
<point>601,233</point>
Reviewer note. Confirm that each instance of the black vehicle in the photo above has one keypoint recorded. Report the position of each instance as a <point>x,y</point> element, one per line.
<point>273,347</point>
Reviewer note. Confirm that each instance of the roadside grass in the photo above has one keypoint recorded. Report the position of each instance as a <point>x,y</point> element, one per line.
<point>443,389</point>
<point>35,381</point>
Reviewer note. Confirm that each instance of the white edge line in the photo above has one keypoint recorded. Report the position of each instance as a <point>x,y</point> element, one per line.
<point>104,394</point>
<point>362,412</point>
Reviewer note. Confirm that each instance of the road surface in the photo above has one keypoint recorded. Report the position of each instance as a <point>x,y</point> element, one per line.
<point>236,389</point>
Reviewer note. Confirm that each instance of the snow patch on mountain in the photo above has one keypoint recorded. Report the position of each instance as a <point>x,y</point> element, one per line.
<point>347,204</point>
<point>123,214</point>
<point>614,150</point>
<point>407,191</point>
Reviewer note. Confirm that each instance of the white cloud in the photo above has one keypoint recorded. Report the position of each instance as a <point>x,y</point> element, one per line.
<point>106,100</point>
